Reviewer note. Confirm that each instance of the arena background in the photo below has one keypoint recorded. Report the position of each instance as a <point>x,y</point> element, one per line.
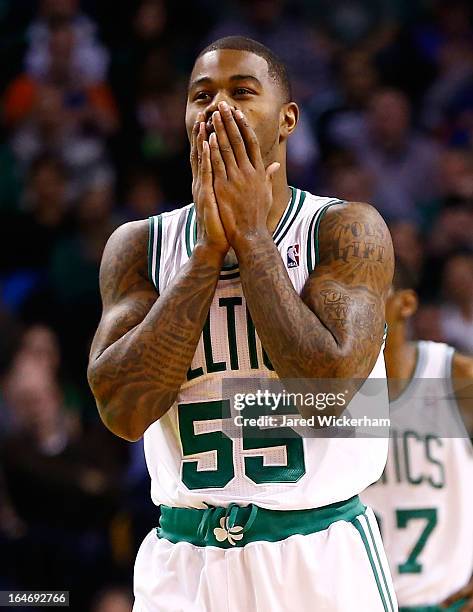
<point>92,135</point>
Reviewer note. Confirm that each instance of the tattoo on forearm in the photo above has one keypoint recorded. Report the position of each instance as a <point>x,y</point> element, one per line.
<point>136,377</point>
<point>336,329</point>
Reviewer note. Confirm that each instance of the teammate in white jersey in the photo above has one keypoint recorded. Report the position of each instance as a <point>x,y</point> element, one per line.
<point>424,499</point>
<point>246,523</point>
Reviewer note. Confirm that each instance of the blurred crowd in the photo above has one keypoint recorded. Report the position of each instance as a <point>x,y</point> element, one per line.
<point>92,135</point>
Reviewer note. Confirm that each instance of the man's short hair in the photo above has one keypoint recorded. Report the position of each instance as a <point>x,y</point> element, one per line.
<point>276,68</point>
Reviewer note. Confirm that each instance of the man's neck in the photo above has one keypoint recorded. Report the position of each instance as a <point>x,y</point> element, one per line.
<point>281,197</point>
<point>401,359</point>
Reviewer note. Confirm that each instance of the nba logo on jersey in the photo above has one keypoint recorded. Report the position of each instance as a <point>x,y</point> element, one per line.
<point>293,256</point>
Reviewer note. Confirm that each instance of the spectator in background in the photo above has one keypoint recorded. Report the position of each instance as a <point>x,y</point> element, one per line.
<point>143,60</point>
<point>113,599</point>
<point>144,197</point>
<point>42,222</point>
<point>456,319</point>
<point>89,59</point>
<point>351,22</point>
<point>303,154</point>
<point>408,245</point>
<point>79,253</point>
<point>74,271</point>
<point>160,113</point>
<point>448,103</point>
<point>304,52</point>
<point>72,479</point>
<point>454,78</point>
<point>10,334</point>
<point>40,344</point>
<point>456,177</point>
<point>340,119</point>
<point>399,158</point>
<point>427,323</point>
<point>355,183</point>
<point>453,228</point>
<point>60,113</point>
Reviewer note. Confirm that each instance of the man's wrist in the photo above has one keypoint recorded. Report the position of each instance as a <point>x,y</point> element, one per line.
<point>203,253</point>
<point>246,243</point>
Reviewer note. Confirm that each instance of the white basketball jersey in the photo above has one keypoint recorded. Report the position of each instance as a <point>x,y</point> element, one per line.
<point>424,499</point>
<point>190,461</point>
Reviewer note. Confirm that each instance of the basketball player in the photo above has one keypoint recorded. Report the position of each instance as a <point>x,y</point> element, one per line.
<point>424,499</point>
<point>191,299</point>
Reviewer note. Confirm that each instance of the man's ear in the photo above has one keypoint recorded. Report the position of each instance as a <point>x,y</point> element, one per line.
<point>288,118</point>
<point>409,303</point>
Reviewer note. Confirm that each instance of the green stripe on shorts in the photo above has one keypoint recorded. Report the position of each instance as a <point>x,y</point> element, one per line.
<point>379,562</point>
<point>358,526</point>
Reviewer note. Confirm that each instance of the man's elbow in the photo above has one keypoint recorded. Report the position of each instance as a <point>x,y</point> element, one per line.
<point>109,407</point>
<point>121,427</point>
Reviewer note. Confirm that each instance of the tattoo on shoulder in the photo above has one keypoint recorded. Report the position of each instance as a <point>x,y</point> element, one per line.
<point>355,241</point>
<point>124,264</point>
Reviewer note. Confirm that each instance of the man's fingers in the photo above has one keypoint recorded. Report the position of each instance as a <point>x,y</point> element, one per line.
<point>206,168</point>
<point>224,145</point>
<point>252,145</point>
<point>201,136</point>
<point>193,156</point>
<point>233,133</point>
<point>218,165</point>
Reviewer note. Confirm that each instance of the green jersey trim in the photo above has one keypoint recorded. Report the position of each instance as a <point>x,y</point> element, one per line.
<point>313,254</point>
<point>286,215</point>
<point>236,526</point>
<point>373,541</point>
<point>150,248</point>
<point>154,248</point>
<point>282,234</point>
<point>190,231</point>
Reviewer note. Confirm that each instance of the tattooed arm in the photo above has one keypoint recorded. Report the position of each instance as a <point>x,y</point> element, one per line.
<point>335,328</point>
<point>144,344</point>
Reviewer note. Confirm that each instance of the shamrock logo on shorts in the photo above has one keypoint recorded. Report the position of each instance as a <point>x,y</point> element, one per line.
<point>231,534</point>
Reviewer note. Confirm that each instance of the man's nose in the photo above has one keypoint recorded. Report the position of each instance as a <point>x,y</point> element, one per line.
<point>213,106</point>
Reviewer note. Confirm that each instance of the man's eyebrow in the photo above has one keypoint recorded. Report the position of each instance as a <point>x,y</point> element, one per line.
<point>235,77</point>
<point>245,77</point>
<point>201,81</point>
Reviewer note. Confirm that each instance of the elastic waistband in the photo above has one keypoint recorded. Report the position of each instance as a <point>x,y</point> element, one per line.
<point>456,607</point>
<point>235,525</point>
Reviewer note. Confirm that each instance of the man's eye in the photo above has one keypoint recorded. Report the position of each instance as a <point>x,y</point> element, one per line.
<point>242,91</point>
<point>202,95</point>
